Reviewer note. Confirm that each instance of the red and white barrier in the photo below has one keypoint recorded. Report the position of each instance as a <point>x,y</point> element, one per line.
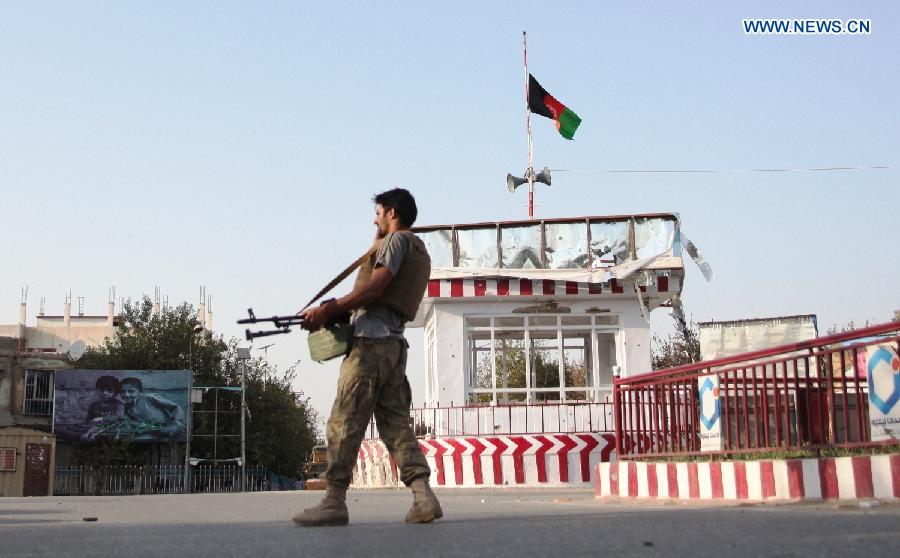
<point>533,460</point>
<point>839,478</point>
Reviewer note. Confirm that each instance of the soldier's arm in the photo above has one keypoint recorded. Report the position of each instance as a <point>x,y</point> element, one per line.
<point>369,291</point>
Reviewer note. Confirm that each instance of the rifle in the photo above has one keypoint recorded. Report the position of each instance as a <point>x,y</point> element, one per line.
<point>282,324</point>
<point>330,341</point>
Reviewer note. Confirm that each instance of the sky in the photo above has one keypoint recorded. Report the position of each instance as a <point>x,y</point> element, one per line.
<point>237,146</point>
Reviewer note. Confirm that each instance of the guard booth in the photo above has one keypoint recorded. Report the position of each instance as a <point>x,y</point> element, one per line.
<point>526,323</point>
<point>27,462</point>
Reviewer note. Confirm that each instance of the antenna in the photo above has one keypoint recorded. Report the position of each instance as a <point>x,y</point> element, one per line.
<point>43,303</point>
<point>80,305</point>
<point>265,349</point>
<point>112,295</point>
<point>24,294</point>
<point>69,296</point>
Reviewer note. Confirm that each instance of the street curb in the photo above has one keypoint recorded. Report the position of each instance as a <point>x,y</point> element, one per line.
<point>841,478</point>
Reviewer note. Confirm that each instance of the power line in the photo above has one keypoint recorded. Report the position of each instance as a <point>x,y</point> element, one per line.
<point>718,171</point>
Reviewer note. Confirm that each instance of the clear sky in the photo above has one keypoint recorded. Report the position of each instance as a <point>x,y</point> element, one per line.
<point>237,145</point>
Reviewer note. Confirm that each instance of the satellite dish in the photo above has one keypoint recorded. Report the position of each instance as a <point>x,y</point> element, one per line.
<point>76,350</point>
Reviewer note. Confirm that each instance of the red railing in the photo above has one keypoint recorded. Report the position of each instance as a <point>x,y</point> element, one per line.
<point>808,395</point>
<point>502,420</point>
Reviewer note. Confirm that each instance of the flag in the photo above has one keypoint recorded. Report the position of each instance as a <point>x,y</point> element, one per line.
<point>542,103</point>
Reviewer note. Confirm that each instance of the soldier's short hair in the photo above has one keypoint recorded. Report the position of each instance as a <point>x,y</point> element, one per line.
<point>402,202</point>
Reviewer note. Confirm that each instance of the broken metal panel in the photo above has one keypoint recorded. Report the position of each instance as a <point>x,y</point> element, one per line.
<point>566,245</point>
<point>478,247</point>
<point>653,236</point>
<point>439,244</point>
<point>521,246</point>
<point>558,244</point>
<point>609,243</point>
<point>695,255</point>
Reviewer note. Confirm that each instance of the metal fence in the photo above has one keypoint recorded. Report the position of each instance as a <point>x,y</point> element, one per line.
<point>808,395</point>
<point>164,479</point>
<point>499,420</point>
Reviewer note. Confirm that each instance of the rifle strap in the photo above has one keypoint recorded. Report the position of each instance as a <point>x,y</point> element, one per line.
<point>340,277</point>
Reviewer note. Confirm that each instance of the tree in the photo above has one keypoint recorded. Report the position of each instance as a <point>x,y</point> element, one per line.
<point>680,347</point>
<point>282,427</point>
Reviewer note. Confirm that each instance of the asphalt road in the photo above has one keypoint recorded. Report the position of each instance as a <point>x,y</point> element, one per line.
<point>498,523</point>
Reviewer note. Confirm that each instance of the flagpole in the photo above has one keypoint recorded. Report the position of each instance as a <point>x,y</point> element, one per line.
<point>529,173</point>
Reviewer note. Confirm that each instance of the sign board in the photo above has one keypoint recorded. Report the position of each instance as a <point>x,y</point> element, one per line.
<point>134,405</point>
<point>710,413</point>
<point>883,375</point>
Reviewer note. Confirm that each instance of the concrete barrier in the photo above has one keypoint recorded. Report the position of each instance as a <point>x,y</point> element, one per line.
<point>551,460</point>
<point>841,478</point>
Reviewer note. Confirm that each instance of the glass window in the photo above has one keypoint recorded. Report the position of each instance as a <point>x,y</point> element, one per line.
<point>569,320</point>
<point>509,321</point>
<point>609,243</point>
<point>477,247</point>
<point>521,247</point>
<point>555,364</point>
<point>566,245</point>
<point>440,247</point>
<point>607,319</point>
<point>577,360</point>
<point>480,376</point>
<point>542,321</point>
<point>478,322</point>
<point>510,354</point>
<point>544,360</point>
<point>606,357</point>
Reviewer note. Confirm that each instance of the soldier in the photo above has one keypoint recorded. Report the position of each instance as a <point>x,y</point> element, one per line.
<point>387,293</point>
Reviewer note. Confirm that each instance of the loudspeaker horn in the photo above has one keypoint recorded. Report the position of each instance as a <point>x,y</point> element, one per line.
<point>543,177</point>
<point>513,182</point>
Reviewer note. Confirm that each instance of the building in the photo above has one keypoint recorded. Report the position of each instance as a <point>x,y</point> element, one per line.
<point>30,354</point>
<point>526,325</point>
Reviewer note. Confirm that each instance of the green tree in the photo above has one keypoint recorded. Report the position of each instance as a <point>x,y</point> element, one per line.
<point>680,347</point>
<point>281,429</point>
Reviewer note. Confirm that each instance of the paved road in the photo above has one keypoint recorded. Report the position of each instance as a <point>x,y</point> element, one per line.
<point>498,523</point>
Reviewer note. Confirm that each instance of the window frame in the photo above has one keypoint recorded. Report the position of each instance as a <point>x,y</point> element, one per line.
<point>32,405</point>
<point>500,395</point>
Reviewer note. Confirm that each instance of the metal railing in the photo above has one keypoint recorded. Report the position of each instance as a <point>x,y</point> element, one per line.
<point>808,395</point>
<point>164,479</point>
<point>501,420</point>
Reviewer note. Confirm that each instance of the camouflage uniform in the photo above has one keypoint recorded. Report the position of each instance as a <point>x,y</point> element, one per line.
<point>373,380</point>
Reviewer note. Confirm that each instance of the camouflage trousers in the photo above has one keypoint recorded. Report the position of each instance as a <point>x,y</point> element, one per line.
<point>373,381</point>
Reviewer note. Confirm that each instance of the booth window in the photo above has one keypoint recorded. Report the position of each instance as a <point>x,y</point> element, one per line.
<point>544,358</point>
<point>7,459</point>
<point>38,392</point>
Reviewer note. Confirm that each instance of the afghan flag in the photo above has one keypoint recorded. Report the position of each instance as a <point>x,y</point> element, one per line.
<point>543,103</point>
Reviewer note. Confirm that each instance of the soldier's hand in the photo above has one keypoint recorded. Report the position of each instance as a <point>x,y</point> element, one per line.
<point>314,318</point>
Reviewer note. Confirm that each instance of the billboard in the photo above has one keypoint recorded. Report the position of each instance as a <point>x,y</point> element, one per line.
<point>133,405</point>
